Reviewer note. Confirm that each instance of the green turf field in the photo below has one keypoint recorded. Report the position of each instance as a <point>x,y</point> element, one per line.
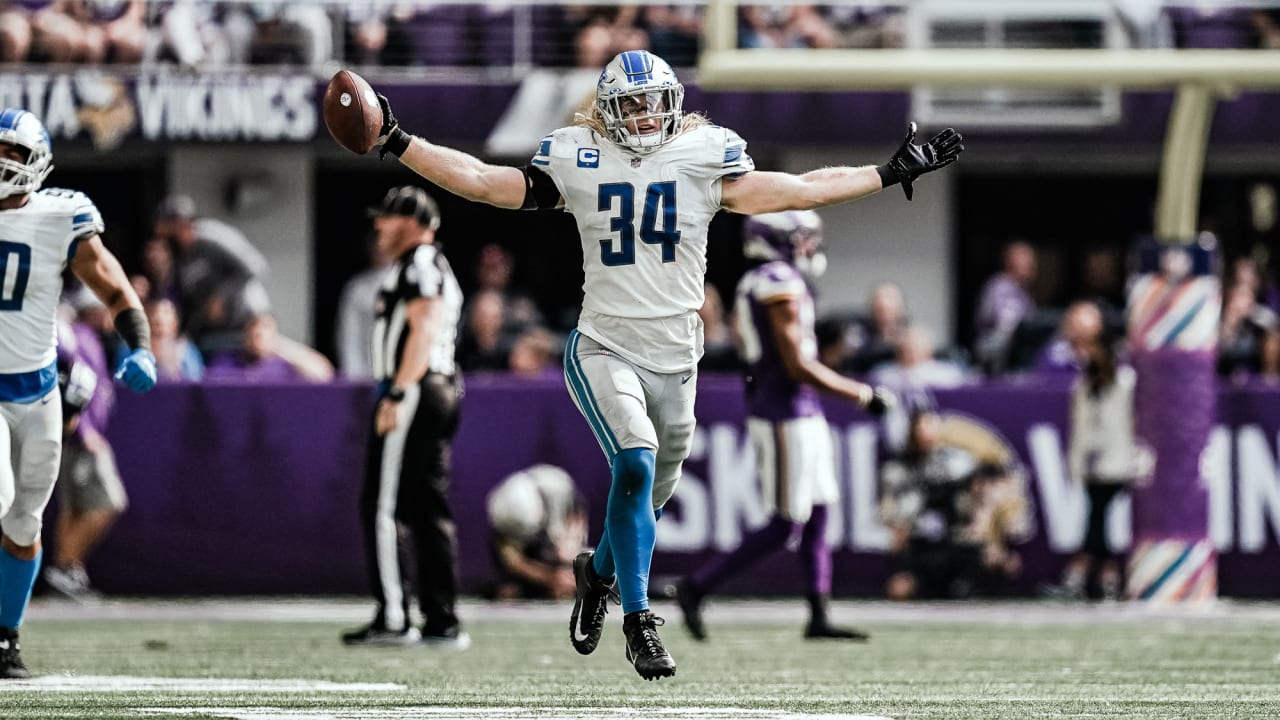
<point>1016,661</point>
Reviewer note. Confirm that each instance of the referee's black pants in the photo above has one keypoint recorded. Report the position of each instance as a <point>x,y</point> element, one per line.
<point>406,482</point>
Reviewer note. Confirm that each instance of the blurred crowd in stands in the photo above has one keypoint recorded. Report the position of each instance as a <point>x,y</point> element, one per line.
<point>204,286</point>
<point>192,33</point>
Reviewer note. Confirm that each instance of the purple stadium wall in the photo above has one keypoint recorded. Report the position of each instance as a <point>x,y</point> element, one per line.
<point>248,490</point>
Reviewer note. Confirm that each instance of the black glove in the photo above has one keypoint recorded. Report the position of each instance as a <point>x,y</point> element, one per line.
<point>391,139</point>
<point>911,161</point>
<point>881,401</point>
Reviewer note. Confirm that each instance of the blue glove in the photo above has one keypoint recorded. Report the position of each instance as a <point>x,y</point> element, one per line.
<point>138,371</point>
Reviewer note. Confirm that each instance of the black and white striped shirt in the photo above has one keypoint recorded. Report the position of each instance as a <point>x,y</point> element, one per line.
<point>420,272</point>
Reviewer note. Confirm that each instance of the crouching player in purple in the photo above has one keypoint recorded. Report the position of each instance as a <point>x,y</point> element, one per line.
<point>794,454</point>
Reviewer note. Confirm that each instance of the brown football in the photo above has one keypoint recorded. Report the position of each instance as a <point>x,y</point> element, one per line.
<point>351,112</point>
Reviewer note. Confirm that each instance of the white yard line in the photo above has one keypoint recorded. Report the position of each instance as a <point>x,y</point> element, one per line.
<point>354,611</point>
<point>125,683</point>
<point>446,713</point>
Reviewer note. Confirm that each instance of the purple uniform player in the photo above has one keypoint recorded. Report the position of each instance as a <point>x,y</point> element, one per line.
<point>794,455</point>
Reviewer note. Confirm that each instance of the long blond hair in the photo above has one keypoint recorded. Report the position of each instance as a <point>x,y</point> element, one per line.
<point>589,116</point>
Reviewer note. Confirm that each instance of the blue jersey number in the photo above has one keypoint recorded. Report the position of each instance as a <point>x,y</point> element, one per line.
<point>659,201</point>
<point>15,269</point>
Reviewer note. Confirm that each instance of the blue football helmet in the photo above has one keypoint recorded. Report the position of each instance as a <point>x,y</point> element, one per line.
<point>636,86</point>
<point>792,236</point>
<point>24,131</point>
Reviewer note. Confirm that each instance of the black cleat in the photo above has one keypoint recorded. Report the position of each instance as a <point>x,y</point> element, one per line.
<point>449,638</point>
<point>644,648</point>
<point>590,604</point>
<point>827,631</point>
<point>374,634</point>
<point>690,602</point>
<point>11,665</point>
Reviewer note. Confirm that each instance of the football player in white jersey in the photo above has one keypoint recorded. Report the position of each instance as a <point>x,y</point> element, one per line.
<point>42,233</point>
<point>643,180</point>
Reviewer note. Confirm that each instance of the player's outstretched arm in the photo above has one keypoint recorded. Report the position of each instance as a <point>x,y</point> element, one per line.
<point>101,272</point>
<point>453,170</point>
<point>765,192</point>
<point>784,321</point>
<point>762,192</point>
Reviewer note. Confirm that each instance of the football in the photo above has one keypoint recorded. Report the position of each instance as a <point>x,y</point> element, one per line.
<point>351,112</point>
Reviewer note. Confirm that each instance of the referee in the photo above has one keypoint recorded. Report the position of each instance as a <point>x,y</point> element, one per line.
<point>407,469</point>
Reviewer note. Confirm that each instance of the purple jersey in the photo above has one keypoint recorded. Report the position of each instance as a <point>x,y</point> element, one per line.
<point>80,343</point>
<point>771,392</point>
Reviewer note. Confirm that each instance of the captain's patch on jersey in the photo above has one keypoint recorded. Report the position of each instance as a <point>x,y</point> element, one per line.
<point>588,157</point>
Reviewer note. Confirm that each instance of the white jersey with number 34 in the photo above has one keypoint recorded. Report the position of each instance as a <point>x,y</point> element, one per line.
<point>643,221</point>
<point>36,242</point>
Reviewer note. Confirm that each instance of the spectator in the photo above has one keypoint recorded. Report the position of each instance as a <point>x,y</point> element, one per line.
<point>494,271</point>
<point>1244,321</point>
<point>91,493</point>
<point>1269,357</point>
<point>197,34</point>
<point>1267,24</point>
<point>720,350</point>
<point>1082,323</point>
<point>158,271</point>
<point>1102,284</point>
<point>15,33</point>
<point>83,31</point>
<point>114,32</point>
<point>1213,26</point>
<point>916,367</point>
<point>927,501</point>
<point>674,32</point>
<point>605,31</point>
<point>784,26</point>
<point>484,345</point>
<point>1004,301</point>
<point>176,357</point>
<point>1103,455</point>
<point>267,356</point>
<point>291,34</point>
<point>833,351</point>
<point>535,353</point>
<point>356,312</point>
<point>219,274</point>
<point>1145,23</point>
<point>56,37</point>
<point>867,25</point>
<point>874,339</point>
<point>377,33</point>
<point>538,521</point>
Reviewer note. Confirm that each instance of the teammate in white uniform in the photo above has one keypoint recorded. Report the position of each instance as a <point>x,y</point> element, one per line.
<point>44,232</point>
<point>643,179</point>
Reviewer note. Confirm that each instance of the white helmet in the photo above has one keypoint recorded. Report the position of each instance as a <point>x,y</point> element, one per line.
<point>23,130</point>
<point>647,78</point>
<point>792,236</point>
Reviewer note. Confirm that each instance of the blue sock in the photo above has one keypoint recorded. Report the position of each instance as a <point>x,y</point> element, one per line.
<point>629,523</point>
<point>17,577</point>
<point>602,561</point>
